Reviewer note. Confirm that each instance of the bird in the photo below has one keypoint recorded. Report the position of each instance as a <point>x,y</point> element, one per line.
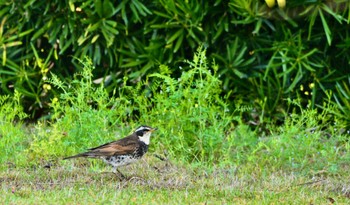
<point>121,152</point>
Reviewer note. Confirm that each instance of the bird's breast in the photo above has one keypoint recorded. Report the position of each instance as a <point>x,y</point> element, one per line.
<point>142,149</point>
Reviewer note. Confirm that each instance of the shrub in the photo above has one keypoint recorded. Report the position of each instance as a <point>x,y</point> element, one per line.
<point>13,138</point>
<point>192,116</point>
<point>265,55</point>
<point>194,121</point>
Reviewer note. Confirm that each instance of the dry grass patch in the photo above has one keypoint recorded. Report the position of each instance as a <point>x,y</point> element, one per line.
<point>157,182</point>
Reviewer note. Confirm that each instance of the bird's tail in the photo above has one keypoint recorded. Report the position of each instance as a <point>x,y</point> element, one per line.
<point>85,154</point>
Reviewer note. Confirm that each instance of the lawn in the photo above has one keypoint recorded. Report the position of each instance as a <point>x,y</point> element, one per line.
<point>152,181</point>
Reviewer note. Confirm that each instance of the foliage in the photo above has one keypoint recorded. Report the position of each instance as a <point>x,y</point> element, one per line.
<point>194,121</point>
<point>81,115</point>
<point>307,141</point>
<point>264,55</point>
<point>12,136</point>
<point>342,99</point>
<point>200,133</point>
<point>83,110</point>
<point>205,145</point>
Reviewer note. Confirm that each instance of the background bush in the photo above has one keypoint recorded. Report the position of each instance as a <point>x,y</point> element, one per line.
<point>84,115</point>
<point>194,121</point>
<point>264,55</point>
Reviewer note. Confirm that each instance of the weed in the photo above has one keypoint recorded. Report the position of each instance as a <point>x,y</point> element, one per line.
<point>13,138</point>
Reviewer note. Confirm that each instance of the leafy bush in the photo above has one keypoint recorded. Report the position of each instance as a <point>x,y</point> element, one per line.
<point>193,116</point>
<point>264,55</point>
<point>308,142</point>
<point>81,116</point>
<point>194,121</point>
<point>13,138</point>
<point>84,115</point>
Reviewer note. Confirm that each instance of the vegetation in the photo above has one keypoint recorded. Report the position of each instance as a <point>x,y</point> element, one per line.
<point>259,115</point>
<point>203,150</point>
<point>170,186</point>
<point>264,55</point>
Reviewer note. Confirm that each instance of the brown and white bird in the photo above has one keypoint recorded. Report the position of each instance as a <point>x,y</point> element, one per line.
<point>123,151</point>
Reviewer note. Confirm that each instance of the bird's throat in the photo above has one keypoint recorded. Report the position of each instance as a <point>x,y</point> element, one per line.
<point>145,138</point>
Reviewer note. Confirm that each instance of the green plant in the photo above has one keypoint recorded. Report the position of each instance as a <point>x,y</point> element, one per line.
<point>12,135</point>
<point>81,116</point>
<point>342,99</point>
<point>191,111</point>
<point>264,55</point>
<point>308,141</point>
<point>83,113</point>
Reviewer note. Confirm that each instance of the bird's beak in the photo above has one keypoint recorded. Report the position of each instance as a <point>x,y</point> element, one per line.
<point>154,129</point>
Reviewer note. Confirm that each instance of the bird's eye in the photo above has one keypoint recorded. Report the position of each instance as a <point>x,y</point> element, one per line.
<point>139,133</point>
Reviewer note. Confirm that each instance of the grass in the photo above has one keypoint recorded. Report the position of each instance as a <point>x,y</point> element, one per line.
<point>152,181</point>
<point>211,155</point>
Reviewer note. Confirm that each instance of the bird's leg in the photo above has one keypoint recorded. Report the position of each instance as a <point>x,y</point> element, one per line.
<point>120,175</point>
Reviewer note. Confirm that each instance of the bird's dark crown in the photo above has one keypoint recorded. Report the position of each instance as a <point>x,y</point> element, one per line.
<point>140,131</point>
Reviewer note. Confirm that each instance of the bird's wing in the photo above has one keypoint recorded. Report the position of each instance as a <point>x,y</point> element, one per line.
<point>122,146</point>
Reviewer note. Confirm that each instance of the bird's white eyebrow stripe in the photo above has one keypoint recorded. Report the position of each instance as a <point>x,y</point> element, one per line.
<point>142,127</point>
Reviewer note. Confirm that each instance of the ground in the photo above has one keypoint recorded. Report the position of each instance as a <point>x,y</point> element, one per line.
<point>153,181</point>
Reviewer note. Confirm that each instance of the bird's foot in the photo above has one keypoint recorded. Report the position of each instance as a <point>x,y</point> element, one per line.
<point>120,175</point>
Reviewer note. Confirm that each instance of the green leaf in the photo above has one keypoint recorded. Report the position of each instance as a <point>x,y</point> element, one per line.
<point>99,7</point>
<point>164,15</point>
<point>94,27</point>
<point>295,81</point>
<point>108,9</point>
<point>66,45</point>
<point>3,55</point>
<point>94,39</point>
<point>134,11</point>
<point>133,64</point>
<point>179,43</point>
<point>111,30</point>
<point>141,8</point>
<point>39,33</point>
<point>326,28</point>
<point>175,36</point>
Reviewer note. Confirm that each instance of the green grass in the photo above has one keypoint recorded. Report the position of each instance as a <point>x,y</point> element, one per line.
<point>212,155</point>
<point>154,182</point>
<point>280,169</point>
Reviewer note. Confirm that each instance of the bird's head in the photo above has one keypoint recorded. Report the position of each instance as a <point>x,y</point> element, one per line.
<point>144,133</point>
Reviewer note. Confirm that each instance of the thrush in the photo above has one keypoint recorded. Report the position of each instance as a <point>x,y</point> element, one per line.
<point>123,151</point>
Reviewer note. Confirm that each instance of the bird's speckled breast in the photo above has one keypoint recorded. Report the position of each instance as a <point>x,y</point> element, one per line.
<point>122,160</point>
